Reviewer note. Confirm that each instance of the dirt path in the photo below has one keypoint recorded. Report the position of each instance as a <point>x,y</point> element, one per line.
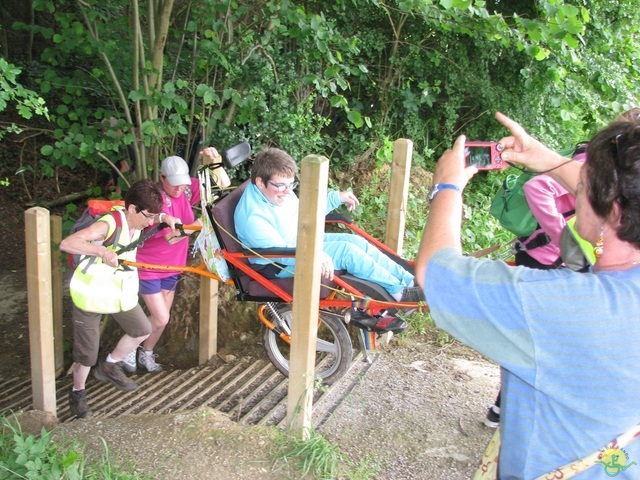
<point>418,412</point>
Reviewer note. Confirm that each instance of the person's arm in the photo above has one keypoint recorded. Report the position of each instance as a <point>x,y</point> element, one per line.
<point>211,155</point>
<point>172,234</point>
<point>81,243</point>
<point>175,236</point>
<point>525,150</point>
<point>445,213</point>
<point>336,198</point>
<point>171,221</point>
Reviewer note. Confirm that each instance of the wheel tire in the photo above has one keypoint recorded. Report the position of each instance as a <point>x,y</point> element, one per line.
<point>334,350</point>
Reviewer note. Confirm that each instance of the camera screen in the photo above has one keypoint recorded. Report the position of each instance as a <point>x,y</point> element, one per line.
<point>478,156</point>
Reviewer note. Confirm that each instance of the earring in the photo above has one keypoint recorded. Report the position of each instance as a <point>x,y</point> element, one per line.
<point>599,248</point>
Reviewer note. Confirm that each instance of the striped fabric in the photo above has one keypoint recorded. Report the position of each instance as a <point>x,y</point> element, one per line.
<point>569,347</point>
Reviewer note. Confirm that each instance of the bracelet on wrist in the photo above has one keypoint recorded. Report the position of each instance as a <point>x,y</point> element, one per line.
<point>438,187</point>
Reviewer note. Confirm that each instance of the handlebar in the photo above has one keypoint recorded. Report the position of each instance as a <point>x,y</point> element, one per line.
<point>181,228</point>
<point>193,226</point>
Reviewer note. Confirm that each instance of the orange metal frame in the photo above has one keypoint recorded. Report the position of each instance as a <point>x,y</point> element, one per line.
<point>238,261</point>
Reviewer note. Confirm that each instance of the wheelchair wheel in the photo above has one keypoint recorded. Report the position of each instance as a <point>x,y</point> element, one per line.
<point>334,351</point>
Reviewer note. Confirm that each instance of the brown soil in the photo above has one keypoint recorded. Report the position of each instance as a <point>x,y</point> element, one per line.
<point>416,414</point>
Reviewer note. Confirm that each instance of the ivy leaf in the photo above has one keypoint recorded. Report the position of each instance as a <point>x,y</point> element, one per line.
<point>355,117</point>
<point>462,4</point>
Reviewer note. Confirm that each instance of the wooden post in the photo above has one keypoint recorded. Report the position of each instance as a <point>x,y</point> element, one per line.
<point>398,193</point>
<point>38,250</point>
<point>306,292</point>
<point>208,346</point>
<point>56,291</point>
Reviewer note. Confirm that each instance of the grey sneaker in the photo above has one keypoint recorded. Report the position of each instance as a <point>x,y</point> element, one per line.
<point>148,361</point>
<point>413,294</point>
<point>111,372</point>
<point>78,406</point>
<point>129,362</point>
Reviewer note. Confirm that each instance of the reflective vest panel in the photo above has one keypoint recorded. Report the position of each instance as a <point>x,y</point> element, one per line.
<point>99,288</point>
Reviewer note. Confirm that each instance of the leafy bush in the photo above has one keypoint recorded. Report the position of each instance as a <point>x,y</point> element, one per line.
<point>480,229</point>
<point>39,458</point>
<point>25,456</point>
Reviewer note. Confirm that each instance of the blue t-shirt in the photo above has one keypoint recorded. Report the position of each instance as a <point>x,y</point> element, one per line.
<point>569,347</point>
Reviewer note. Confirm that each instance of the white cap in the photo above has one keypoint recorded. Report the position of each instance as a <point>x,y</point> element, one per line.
<point>176,171</point>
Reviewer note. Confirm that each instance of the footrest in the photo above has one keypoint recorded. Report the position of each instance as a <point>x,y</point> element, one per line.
<point>378,324</point>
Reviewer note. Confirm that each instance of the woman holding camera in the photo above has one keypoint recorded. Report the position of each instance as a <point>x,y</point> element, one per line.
<point>568,343</point>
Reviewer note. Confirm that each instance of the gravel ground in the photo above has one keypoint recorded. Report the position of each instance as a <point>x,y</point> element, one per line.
<point>415,414</point>
<point>418,411</point>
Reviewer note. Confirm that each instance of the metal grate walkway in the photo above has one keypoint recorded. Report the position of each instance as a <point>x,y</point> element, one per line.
<point>252,393</point>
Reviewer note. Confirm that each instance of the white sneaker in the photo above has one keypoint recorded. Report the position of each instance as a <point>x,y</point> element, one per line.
<point>148,361</point>
<point>129,362</point>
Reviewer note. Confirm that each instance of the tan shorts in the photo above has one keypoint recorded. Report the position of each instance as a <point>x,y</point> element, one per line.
<point>86,331</point>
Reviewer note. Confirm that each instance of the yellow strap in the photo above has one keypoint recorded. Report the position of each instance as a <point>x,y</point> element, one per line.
<point>585,245</point>
<point>597,457</point>
<point>488,469</point>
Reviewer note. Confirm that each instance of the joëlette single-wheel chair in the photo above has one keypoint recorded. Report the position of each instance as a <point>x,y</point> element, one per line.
<point>347,300</point>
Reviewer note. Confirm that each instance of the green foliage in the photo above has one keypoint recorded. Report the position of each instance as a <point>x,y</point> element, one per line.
<point>422,323</point>
<point>374,199</point>
<point>417,210</point>
<point>30,457</point>
<point>327,77</point>
<point>419,322</point>
<point>480,229</point>
<point>27,102</point>
<point>317,457</point>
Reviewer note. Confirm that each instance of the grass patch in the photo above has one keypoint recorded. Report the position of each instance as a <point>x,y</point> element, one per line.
<point>421,323</point>
<point>315,457</point>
